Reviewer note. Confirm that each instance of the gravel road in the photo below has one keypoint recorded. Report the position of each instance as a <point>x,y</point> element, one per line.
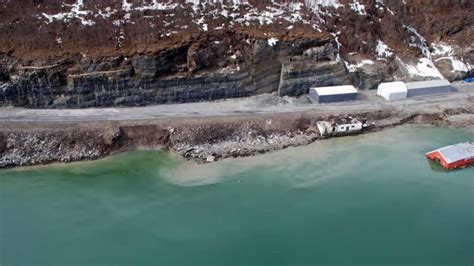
<point>257,105</point>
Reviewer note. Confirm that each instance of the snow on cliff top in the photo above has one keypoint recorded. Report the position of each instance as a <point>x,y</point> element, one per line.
<point>168,18</point>
<point>240,11</point>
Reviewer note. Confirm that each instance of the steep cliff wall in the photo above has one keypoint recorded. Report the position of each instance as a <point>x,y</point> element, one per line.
<point>84,53</point>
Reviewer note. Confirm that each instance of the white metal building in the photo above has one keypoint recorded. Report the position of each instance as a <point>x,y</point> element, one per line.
<point>419,88</point>
<point>333,94</point>
<point>392,91</point>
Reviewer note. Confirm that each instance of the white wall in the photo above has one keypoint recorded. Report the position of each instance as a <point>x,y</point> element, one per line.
<point>396,96</point>
<point>392,91</point>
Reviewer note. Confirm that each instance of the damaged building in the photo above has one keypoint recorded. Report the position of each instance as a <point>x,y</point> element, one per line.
<point>342,126</point>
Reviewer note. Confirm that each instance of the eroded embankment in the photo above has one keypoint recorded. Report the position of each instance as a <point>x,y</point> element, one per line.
<point>200,139</point>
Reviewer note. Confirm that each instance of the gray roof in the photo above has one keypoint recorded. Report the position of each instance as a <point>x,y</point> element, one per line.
<point>457,152</point>
<point>427,84</point>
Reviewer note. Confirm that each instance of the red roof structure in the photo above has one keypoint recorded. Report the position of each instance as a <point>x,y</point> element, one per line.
<point>454,156</point>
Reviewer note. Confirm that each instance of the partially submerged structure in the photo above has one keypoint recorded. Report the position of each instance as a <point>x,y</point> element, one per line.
<point>419,88</point>
<point>392,91</point>
<point>340,126</point>
<point>454,156</point>
<point>333,94</point>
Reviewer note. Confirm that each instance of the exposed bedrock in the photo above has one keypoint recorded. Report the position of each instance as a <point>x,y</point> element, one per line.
<point>81,53</point>
<point>209,71</point>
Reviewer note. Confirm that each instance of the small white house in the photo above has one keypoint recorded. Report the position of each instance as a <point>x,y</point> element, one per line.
<point>393,91</point>
<point>342,126</point>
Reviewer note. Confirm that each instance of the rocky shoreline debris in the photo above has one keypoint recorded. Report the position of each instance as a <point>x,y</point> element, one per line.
<point>243,147</point>
<point>204,140</point>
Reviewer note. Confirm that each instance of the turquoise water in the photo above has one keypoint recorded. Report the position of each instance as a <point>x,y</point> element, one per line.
<point>365,200</point>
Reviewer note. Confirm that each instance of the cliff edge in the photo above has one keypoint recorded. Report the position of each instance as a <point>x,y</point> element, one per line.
<point>84,53</point>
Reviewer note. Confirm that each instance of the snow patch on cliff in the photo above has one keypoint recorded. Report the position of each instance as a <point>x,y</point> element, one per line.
<point>338,46</point>
<point>382,50</point>
<point>107,13</point>
<point>316,4</point>
<point>424,68</point>
<point>353,68</point>
<point>154,5</point>
<point>459,65</point>
<point>76,12</point>
<point>272,41</point>
<point>418,41</point>
<point>205,11</point>
<point>445,52</point>
<point>358,8</point>
<point>441,49</point>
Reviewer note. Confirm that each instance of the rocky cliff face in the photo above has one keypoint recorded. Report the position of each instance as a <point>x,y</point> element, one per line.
<point>84,53</point>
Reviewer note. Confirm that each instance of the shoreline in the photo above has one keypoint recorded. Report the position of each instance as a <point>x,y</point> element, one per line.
<point>201,140</point>
<point>177,155</point>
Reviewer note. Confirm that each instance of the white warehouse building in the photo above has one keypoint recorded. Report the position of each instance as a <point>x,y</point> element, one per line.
<point>333,94</point>
<point>428,87</point>
<point>393,91</point>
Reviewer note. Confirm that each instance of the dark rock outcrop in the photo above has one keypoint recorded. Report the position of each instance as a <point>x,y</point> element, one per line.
<point>78,54</point>
<point>3,143</point>
<point>173,77</point>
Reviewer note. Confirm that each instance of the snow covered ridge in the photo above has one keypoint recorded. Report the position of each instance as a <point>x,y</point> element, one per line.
<point>167,18</point>
<point>172,17</point>
<point>239,11</point>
